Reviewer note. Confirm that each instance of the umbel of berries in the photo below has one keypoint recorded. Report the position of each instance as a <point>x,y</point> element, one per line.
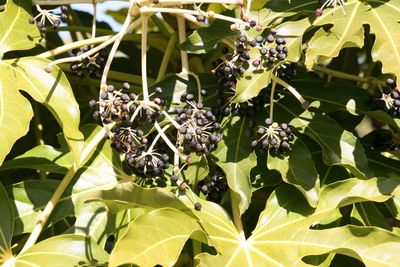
<point>198,127</point>
<point>389,98</point>
<point>48,15</point>
<point>91,65</point>
<point>273,137</point>
<point>124,108</point>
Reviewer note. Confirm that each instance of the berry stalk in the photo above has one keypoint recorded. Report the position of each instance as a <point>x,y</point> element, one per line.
<point>124,29</point>
<point>145,20</point>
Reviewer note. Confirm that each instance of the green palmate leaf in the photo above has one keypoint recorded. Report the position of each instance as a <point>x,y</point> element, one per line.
<point>298,169</point>
<point>6,225</point>
<point>348,31</point>
<point>155,238</point>
<point>205,39</point>
<point>236,159</point>
<point>50,89</point>
<point>42,157</point>
<point>63,251</point>
<point>283,236</point>
<point>15,31</point>
<point>102,171</point>
<point>339,147</point>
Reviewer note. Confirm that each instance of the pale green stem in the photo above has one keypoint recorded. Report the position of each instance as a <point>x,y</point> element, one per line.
<point>167,56</point>
<point>120,35</point>
<point>145,20</point>
<point>74,45</point>
<point>182,38</point>
<point>292,90</point>
<point>271,103</point>
<point>94,19</point>
<point>346,76</point>
<point>169,143</point>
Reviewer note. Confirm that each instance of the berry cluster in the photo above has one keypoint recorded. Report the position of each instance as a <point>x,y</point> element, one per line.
<point>272,49</point>
<point>213,187</point>
<point>150,163</point>
<point>389,98</point>
<point>54,19</point>
<point>92,65</point>
<point>274,138</point>
<point>129,113</point>
<point>234,65</point>
<point>198,127</point>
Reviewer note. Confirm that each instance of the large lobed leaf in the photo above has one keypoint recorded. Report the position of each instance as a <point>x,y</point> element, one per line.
<point>155,238</point>
<point>236,159</point>
<point>298,169</point>
<point>50,89</point>
<point>15,31</point>
<point>348,31</point>
<point>339,146</point>
<point>283,236</point>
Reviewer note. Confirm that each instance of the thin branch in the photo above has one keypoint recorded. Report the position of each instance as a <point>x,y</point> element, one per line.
<point>122,32</point>
<point>74,45</point>
<point>291,89</point>
<point>182,38</point>
<point>167,56</point>
<point>346,76</point>
<point>94,18</point>
<point>145,20</point>
<point>271,100</point>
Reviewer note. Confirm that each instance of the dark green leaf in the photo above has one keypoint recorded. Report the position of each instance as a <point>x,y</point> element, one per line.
<point>236,159</point>
<point>205,39</point>
<point>298,169</point>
